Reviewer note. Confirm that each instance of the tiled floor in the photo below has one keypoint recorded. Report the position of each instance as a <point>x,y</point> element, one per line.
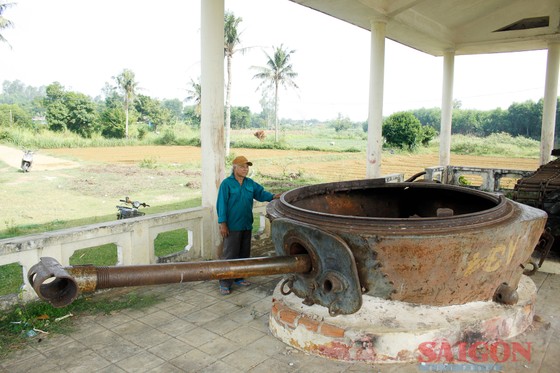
<point>195,329</point>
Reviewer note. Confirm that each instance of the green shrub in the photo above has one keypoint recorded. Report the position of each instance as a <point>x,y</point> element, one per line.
<point>402,130</point>
<point>168,138</point>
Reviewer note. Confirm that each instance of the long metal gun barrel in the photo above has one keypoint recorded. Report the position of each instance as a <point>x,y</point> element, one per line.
<point>60,286</point>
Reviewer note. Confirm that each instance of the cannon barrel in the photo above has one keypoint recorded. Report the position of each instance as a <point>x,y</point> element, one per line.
<point>60,286</point>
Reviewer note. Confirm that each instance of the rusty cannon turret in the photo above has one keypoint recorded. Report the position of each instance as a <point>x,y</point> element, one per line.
<point>420,243</point>
<point>60,285</point>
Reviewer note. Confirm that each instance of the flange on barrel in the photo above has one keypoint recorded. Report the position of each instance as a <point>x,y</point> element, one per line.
<point>53,283</point>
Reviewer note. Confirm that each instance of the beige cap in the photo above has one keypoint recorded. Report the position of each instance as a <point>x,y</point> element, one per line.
<point>238,161</point>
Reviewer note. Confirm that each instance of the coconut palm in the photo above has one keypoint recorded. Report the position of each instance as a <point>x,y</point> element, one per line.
<point>4,23</point>
<point>231,43</point>
<point>127,85</point>
<point>194,94</point>
<point>277,72</point>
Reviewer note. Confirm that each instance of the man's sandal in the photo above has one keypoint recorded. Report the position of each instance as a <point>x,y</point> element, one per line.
<point>224,290</point>
<point>243,283</point>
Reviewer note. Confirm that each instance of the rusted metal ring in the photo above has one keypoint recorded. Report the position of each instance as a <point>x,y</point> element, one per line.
<point>532,271</point>
<point>290,283</point>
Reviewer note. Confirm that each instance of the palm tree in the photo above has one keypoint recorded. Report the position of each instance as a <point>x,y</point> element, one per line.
<point>128,86</point>
<point>231,42</point>
<point>4,23</point>
<point>194,94</point>
<point>277,72</point>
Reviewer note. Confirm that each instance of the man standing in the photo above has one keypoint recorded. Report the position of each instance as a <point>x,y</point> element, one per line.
<point>235,214</point>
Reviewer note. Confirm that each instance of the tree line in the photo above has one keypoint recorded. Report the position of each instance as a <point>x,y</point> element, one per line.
<point>55,108</point>
<point>519,119</point>
<point>58,109</point>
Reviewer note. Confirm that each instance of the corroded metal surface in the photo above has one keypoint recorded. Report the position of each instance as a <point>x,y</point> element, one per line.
<point>422,243</point>
<point>61,285</point>
<point>541,189</point>
<point>333,280</point>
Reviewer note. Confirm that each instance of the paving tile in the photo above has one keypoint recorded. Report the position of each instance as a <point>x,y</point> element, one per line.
<point>129,327</point>
<point>549,362</point>
<point>274,365</point>
<point>262,306</point>
<point>200,298</point>
<point>158,318</point>
<point>224,307</point>
<point>167,368</point>
<point>201,316</point>
<point>141,362</point>
<point>267,345</point>
<point>168,303</point>
<point>220,347</point>
<point>19,355</point>
<point>198,336</point>
<point>85,362</point>
<point>54,341</point>
<point>207,286</point>
<point>111,369</point>
<point>177,328</point>
<point>36,362</point>
<point>181,309</point>
<point>244,299</point>
<point>193,361</point>
<point>48,366</point>
<point>86,330</point>
<point>170,349</point>
<point>243,317</point>
<point>260,324</point>
<point>244,335</point>
<point>320,365</point>
<point>112,346</point>
<point>220,367</point>
<point>221,327</point>
<point>245,359</point>
<point>116,318</point>
<point>140,313</point>
<point>66,353</point>
<point>538,278</point>
<point>148,338</point>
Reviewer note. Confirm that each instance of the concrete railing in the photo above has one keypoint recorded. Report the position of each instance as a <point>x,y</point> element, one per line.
<point>489,179</point>
<point>134,240</point>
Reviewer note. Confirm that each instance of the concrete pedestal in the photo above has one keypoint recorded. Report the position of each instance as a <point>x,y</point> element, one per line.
<point>385,331</point>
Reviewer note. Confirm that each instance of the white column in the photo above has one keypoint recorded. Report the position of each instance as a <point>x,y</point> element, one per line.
<point>550,100</point>
<point>212,117</point>
<point>446,108</point>
<point>376,79</point>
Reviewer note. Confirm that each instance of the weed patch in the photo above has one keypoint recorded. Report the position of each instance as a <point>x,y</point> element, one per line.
<point>26,322</point>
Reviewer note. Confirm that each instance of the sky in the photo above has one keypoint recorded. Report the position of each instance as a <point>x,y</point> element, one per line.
<point>82,44</point>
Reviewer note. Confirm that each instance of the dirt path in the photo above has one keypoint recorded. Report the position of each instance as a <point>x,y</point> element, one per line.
<point>41,162</point>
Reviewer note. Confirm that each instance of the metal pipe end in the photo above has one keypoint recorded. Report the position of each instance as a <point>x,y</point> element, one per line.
<point>52,283</point>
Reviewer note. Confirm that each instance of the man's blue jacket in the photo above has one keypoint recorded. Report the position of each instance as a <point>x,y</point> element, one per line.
<point>235,202</point>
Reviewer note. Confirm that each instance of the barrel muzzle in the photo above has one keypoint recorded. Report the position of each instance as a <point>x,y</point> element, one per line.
<point>52,282</point>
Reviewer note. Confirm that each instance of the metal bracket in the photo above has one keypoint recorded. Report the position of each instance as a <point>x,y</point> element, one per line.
<point>333,281</point>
